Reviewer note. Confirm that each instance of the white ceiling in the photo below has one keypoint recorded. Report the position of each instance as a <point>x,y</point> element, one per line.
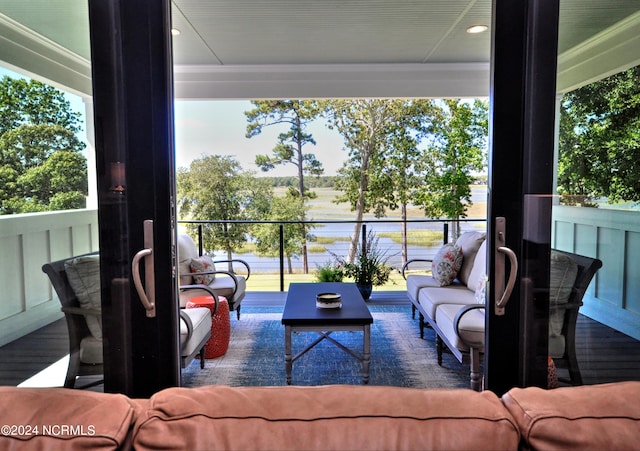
<point>227,47</point>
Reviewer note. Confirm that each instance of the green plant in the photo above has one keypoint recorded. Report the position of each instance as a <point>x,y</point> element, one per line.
<point>330,272</point>
<point>370,265</point>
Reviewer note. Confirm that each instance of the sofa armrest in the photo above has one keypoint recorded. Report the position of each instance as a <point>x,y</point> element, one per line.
<point>205,288</point>
<point>463,311</point>
<point>414,260</point>
<point>234,260</point>
<point>187,320</point>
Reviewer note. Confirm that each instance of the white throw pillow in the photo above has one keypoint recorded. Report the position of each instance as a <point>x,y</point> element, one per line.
<point>83,274</point>
<point>446,264</point>
<point>481,291</point>
<point>479,269</point>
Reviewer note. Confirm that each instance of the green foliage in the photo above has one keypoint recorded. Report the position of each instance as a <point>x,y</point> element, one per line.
<point>24,102</point>
<point>370,266</point>
<point>214,188</point>
<point>599,142</point>
<point>287,208</point>
<point>368,127</point>
<point>297,115</point>
<point>415,237</point>
<point>41,167</point>
<point>329,272</point>
<point>457,141</point>
<point>323,181</point>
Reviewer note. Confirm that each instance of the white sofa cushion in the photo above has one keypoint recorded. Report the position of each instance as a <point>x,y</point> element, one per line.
<point>431,297</point>
<point>416,282</point>
<point>471,326</point>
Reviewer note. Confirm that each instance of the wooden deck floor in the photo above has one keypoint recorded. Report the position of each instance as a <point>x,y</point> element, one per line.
<point>604,354</point>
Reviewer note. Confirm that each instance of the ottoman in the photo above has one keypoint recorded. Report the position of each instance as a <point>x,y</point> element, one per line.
<point>220,324</point>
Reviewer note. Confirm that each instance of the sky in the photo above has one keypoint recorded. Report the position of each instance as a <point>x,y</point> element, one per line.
<point>218,128</point>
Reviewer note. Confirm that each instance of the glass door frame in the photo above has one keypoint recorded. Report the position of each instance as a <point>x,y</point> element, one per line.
<point>133,117</point>
<point>521,157</point>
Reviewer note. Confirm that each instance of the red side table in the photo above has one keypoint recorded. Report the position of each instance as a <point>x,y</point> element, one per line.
<point>220,324</point>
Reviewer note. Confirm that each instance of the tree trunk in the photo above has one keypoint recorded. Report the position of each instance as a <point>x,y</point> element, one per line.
<point>305,257</point>
<point>403,209</point>
<point>229,257</point>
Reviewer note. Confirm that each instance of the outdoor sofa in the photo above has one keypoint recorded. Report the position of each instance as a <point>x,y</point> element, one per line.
<point>452,301</point>
<point>335,417</point>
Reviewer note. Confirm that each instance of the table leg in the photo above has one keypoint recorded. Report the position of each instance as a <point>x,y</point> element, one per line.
<point>366,355</point>
<point>288,362</point>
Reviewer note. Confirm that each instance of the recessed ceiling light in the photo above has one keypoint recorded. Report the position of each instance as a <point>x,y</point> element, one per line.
<point>477,29</point>
<point>175,31</point>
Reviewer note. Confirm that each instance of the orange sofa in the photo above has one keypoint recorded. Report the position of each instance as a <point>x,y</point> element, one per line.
<point>337,417</point>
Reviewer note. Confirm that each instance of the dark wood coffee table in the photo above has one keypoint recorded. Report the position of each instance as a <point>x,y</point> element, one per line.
<point>301,315</point>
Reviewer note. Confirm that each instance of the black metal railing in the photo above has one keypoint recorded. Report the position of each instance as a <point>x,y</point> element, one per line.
<point>333,237</point>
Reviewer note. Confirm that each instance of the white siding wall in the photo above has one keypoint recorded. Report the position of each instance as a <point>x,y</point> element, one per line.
<point>27,299</point>
<point>613,236</point>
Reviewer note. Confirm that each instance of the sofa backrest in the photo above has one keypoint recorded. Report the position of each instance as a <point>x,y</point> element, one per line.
<point>333,417</point>
<point>324,418</point>
<point>57,273</point>
<point>589,417</point>
<point>186,251</point>
<point>66,419</point>
<point>469,242</point>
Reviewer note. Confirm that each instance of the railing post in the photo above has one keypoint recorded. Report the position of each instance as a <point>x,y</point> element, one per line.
<point>200,243</point>
<point>445,233</point>
<point>364,239</point>
<point>281,257</point>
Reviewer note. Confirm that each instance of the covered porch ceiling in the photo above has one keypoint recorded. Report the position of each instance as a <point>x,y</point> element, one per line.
<point>250,49</point>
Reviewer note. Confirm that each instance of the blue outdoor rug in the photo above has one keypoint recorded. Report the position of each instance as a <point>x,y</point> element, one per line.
<point>398,356</point>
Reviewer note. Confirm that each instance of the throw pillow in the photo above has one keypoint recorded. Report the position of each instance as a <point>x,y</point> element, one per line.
<point>200,265</point>
<point>83,274</point>
<point>481,291</point>
<point>446,264</point>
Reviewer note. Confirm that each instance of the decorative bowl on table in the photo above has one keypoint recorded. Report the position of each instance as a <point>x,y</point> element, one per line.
<point>328,300</point>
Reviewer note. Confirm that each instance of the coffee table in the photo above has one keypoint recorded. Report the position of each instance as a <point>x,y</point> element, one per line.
<point>301,315</point>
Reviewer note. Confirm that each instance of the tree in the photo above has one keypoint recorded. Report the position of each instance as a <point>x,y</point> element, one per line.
<point>457,140</point>
<point>214,188</point>
<point>41,167</point>
<point>297,115</point>
<point>267,235</point>
<point>404,162</point>
<point>366,126</point>
<point>599,143</point>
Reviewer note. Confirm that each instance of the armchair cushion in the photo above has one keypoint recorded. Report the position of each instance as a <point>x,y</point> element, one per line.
<point>200,265</point>
<point>201,320</point>
<point>447,263</point>
<point>91,350</point>
<point>83,274</point>
<point>562,276</point>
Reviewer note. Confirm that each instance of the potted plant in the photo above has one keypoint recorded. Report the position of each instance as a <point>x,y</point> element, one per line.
<point>370,266</point>
<point>330,272</point>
